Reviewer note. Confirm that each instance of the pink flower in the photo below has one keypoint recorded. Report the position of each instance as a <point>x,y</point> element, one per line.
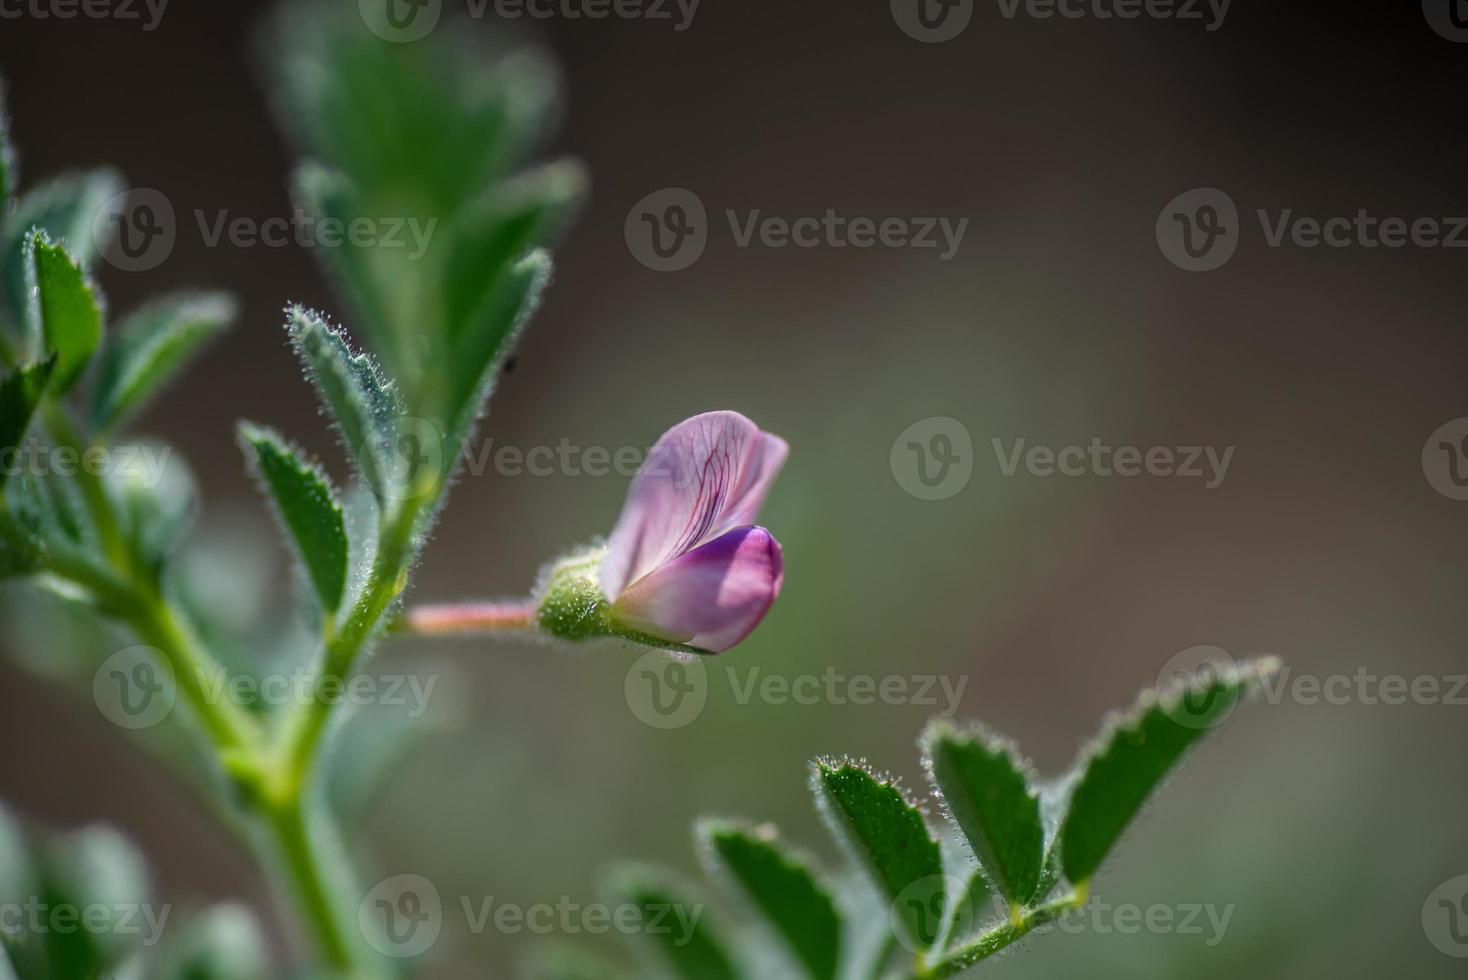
<point>686,563</point>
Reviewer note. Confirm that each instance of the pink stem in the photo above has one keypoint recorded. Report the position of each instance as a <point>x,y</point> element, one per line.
<point>456,618</point>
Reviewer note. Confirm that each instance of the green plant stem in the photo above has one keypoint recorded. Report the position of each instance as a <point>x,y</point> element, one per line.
<point>999,938</point>
<point>291,826</point>
<point>303,731</point>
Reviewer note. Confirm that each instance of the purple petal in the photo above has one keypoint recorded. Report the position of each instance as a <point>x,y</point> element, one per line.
<point>706,475</point>
<point>711,597</point>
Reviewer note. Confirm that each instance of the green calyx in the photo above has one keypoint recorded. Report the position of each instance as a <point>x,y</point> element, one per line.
<point>570,605</point>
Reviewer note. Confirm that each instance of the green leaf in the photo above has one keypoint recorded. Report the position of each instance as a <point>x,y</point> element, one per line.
<point>308,508</point>
<point>158,497</point>
<point>20,552</point>
<point>782,888</point>
<point>673,928</point>
<point>488,338</point>
<point>379,290</point>
<point>66,207</point>
<point>562,962</point>
<point>20,392</point>
<point>427,136</point>
<point>95,866</point>
<point>222,943</point>
<point>361,402</point>
<point>66,313</point>
<point>492,233</point>
<point>151,346</point>
<point>889,839</point>
<point>1129,760</point>
<point>427,124</point>
<point>987,791</point>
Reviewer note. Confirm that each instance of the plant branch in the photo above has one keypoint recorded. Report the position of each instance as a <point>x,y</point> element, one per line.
<point>999,938</point>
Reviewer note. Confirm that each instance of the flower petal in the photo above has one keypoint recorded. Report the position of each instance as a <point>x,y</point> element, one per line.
<point>705,476</point>
<point>710,597</point>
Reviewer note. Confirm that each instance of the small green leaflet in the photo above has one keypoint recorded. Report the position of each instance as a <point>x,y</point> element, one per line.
<point>494,232</point>
<point>308,508</point>
<point>150,347</point>
<point>489,337</point>
<point>66,207</point>
<point>888,837</point>
<point>65,311</point>
<point>361,402</point>
<point>221,943</point>
<point>20,392</point>
<point>1131,758</point>
<point>675,928</point>
<point>782,888</point>
<point>988,793</point>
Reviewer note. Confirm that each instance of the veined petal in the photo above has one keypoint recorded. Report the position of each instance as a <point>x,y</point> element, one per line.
<point>706,476</point>
<point>710,597</point>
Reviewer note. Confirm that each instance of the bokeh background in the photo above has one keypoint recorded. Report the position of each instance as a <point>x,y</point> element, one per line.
<point>1059,320</point>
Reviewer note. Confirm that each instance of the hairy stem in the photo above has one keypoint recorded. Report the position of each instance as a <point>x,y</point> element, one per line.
<point>468,618</point>
<point>1000,937</point>
<point>296,839</point>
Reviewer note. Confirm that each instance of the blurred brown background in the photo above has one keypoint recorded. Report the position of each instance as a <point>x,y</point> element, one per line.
<point>1059,320</point>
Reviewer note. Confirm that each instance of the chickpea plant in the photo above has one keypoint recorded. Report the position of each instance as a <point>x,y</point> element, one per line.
<point>441,135</point>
